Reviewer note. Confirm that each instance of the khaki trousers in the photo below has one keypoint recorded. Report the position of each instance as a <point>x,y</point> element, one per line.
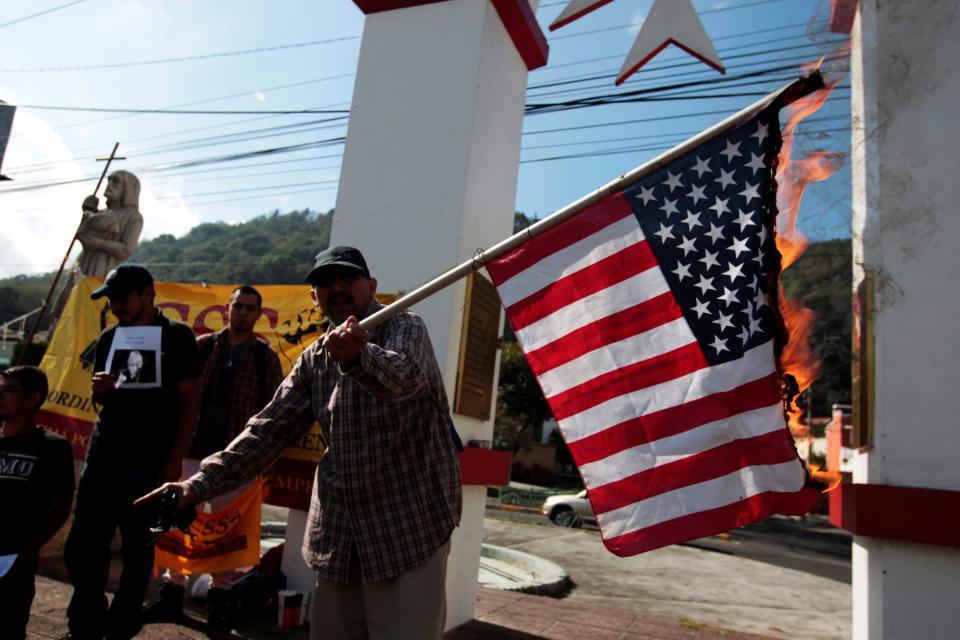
<point>412,606</point>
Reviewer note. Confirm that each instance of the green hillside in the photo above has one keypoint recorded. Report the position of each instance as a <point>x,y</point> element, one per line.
<point>271,249</point>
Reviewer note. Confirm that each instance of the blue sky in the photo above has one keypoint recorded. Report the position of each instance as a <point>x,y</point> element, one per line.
<point>313,48</point>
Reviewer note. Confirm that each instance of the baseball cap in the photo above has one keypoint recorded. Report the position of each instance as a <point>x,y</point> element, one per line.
<point>122,280</point>
<point>338,256</point>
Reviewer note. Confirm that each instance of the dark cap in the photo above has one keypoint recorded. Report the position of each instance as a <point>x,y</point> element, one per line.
<point>122,280</point>
<point>339,257</point>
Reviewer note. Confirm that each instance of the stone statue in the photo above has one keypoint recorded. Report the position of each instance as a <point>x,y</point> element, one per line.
<point>110,236</point>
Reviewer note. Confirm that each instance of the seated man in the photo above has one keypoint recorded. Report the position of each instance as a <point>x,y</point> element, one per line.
<point>36,489</point>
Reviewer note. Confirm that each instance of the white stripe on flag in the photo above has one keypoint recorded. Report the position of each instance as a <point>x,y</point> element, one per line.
<point>708,436</point>
<point>755,363</point>
<point>607,241</point>
<point>718,492</point>
<point>636,348</point>
<point>596,306</point>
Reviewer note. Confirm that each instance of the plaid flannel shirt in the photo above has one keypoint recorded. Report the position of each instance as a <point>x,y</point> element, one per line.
<point>249,393</point>
<point>389,483</point>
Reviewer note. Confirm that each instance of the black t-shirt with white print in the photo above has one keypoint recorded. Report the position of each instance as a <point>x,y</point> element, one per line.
<point>34,466</point>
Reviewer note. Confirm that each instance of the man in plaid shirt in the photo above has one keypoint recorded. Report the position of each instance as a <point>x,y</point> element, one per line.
<point>387,493</point>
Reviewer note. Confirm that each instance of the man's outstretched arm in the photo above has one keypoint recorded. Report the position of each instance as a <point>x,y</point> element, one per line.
<point>267,435</point>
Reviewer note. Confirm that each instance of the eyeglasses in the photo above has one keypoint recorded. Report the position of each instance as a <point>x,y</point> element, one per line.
<point>327,277</point>
<point>10,390</point>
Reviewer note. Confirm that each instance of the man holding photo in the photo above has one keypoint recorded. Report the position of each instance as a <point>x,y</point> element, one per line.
<point>140,439</point>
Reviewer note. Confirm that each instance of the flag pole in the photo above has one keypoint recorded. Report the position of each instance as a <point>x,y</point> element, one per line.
<point>802,86</point>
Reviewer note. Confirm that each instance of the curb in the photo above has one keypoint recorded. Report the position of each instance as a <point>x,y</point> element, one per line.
<point>514,507</point>
<point>550,578</point>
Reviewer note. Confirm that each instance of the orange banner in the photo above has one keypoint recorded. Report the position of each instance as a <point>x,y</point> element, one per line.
<point>220,541</point>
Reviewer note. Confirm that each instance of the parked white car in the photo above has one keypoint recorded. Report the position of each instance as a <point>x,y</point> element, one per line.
<point>568,509</point>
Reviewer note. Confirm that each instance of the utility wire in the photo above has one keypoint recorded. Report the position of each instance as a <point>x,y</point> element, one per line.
<point>664,65</point>
<point>267,195</point>
<point>654,66</point>
<point>183,112</point>
<point>40,13</point>
<point>230,96</point>
<point>246,190</point>
<point>597,99</point>
<point>705,11</point>
<point>338,140</point>
<point>204,56</point>
<point>298,147</point>
<point>612,73</point>
<point>639,24</point>
<point>237,135</point>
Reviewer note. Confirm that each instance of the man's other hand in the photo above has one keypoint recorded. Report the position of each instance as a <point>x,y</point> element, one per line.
<point>103,383</point>
<point>182,489</point>
<point>345,343</point>
<point>90,203</point>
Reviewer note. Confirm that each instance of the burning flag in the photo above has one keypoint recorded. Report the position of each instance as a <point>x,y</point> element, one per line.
<point>650,320</point>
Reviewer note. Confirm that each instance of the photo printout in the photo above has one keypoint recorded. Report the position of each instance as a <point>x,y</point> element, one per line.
<point>134,357</point>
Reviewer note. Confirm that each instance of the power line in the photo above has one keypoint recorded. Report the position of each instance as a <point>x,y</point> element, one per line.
<point>189,164</point>
<point>53,161</point>
<point>654,66</point>
<point>258,174</point>
<point>269,195</point>
<point>246,190</point>
<point>241,94</point>
<point>182,112</point>
<point>41,13</point>
<point>204,56</point>
<point>705,11</point>
<point>638,24</point>
<point>608,75</point>
<point>251,134</point>
<point>622,150</point>
<point>598,99</point>
<point>664,65</point>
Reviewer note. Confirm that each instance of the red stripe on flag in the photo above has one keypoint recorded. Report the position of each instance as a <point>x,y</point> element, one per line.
<point>604,273</point>
<point>619,326</point>
<point>757,394</point>
<point>770,448</point>
<point>706,523</point>
<point>639,375</point>
<point>568,232</point>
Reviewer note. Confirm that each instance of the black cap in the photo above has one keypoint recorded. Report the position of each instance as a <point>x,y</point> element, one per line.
<point>340,257</point>
<point>122,280</point>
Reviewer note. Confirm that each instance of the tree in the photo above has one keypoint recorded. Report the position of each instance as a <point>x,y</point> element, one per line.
<point>521,407</point>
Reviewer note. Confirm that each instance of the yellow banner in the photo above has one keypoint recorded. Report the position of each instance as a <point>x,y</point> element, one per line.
<point>220,541</point>
<point>289,323</point>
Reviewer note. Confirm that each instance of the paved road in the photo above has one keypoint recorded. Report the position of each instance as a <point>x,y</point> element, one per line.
<point>811,545</point>
<point>687,584</point>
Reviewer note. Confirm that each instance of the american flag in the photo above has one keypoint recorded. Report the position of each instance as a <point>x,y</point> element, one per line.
<point>647,321</point>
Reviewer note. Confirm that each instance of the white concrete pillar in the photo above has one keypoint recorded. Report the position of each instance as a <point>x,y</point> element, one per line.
<point>429,176</point>
<point>906,229</point>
